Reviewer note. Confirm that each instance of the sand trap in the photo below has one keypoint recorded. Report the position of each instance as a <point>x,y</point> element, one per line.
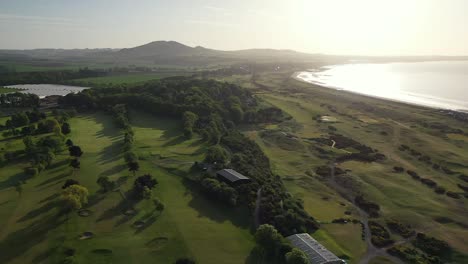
<point>139,224</point>
<point>157,243</point>
<point>86,235</point>
<point>84,213</point>
<point>328,119</point>
<point>130,212</point>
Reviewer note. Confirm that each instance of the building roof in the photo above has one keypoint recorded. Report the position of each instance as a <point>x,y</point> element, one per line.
<point>317,253</point>
<point>231,175</point>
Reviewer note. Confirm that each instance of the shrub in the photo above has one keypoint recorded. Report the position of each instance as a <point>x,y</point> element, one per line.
<point>431,245</point>
<point>380,236</point>
<point>33,171</point>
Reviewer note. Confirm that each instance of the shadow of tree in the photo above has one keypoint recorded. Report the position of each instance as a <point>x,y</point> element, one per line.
<point>94,199</point>
<point>175,141</point>
<point>215,210</point>
<point>113,170</point>
<point>50,197</point>
<point>20,241</point>
<point>111,153</point>
<point>14,180</point>
<point>44,255</point>
<point>53,179</point>
<point>117,210</point>
<point>148,222</point>
<point>56,165</point>
<point>36,212</point>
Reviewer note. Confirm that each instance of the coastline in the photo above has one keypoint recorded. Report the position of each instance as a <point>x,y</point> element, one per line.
<point>386,99</point>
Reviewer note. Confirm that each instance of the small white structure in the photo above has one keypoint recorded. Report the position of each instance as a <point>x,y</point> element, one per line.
<point>317,253</point>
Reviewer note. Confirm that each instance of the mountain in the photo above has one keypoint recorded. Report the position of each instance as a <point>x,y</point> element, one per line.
<point>165,49</point>
<point>168,53</point>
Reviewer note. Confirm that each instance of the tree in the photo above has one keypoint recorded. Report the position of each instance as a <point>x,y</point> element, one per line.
<point>133,166</point>
<point>130,156</point>
<point>69,183</point>
<point>66,128</point>
<point>75,196</point>
<point>147,194</point>
<point>217,154</point>
<point>189,119</point>
<point>144,181</point>
<point>75,164</point>
<point>268,238</point>
<point>185,261</point>
<point>69,143</point>
<point>105,183</point>
<point>159,206</point>
<point>296,256</point>
<point>75,151</point>
<point>29,145</point>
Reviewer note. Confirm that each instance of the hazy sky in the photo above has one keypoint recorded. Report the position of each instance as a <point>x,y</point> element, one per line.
<point>374,27</point>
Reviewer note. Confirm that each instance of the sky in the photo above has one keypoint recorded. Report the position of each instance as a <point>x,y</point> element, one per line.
<point>354,27</point>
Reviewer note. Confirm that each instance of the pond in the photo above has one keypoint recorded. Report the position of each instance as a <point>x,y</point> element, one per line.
<point>43,90</point>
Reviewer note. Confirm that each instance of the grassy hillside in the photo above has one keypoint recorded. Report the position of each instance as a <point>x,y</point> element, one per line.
<point>33,231</point>
<point>383,126</point>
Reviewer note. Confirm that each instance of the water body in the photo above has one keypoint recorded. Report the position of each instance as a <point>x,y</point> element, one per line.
<point>440,84</point>
<point>43,90</point>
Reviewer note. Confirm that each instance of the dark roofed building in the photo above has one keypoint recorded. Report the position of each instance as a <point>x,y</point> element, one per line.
<point>317,253</point>
<point>232,177</point>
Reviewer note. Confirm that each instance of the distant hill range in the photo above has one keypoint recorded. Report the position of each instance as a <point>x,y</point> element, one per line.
<point>172,53</point>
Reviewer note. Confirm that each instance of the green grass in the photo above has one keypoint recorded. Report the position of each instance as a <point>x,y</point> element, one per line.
<point>7,90</point>
<point>191,225</point>
<point>364,119</point>
<point>343,240</point>
<point>126,78</point>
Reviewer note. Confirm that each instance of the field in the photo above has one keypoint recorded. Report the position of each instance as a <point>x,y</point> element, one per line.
<point>35,66</point>
<point>33,231</point>
<point>125,78</point>
<point>382,125</point>
<point>7,90</point>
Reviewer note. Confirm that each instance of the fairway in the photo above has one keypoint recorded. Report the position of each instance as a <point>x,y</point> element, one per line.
<point>189,226</point>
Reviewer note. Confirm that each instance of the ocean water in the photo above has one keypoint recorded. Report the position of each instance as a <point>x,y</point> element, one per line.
<point>442,84</point>
<point>43,90</point>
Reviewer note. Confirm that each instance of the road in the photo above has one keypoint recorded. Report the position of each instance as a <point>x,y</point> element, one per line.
<point>257,208</point>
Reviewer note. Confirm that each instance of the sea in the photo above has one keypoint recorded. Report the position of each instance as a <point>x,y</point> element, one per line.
<point>43,90</point>
<point>440,84</point>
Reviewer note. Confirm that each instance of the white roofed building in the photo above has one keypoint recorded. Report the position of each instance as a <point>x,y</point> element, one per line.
<point>317,253</point>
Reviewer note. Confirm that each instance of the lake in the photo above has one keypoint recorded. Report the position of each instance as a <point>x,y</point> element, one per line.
<point>43,90</point>
<point>441,84</point>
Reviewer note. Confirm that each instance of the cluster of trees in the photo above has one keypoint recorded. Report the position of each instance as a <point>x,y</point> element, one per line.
<point>212,109</point>
<point>143,185</point>
<point>426,159</point>
<point>105,183</point>
<point>365,154</point>
<point>41,153</point>
<point>277,207</point>
<point>219,191</point>
<point>75,153</point>
<point>19,100</point>
<point>412,255</point>
<point>371,208</point>
<point>397,227</point>
<point>8,78</point>
<point>189,120</point>
<point>380,237</point>
<point>434,185</point>
<point>175,96</point>
<point>35,123</point>
<point>276,247</point>
<point>432,246</point>
<point>74,197</point>
<point>120,114</point>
